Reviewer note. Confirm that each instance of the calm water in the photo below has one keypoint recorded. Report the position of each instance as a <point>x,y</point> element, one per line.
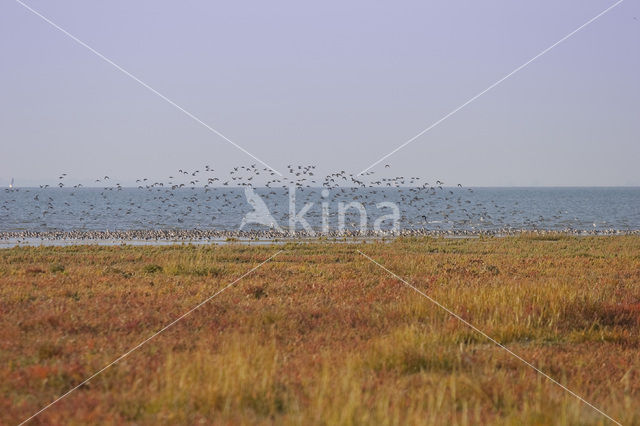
<point>223,209</point>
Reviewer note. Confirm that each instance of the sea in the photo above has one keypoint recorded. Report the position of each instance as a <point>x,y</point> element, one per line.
<point>229,209</point>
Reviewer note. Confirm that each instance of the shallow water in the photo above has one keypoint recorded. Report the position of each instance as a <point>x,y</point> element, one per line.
<point>38,242</point>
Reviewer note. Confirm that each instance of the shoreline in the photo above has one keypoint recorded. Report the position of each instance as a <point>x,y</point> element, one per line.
<point>200,236</point>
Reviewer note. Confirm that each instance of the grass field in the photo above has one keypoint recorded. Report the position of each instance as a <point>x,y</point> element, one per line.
<point>321,335</point>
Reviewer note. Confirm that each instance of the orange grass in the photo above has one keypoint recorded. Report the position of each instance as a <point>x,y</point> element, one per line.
<point>320,335</point>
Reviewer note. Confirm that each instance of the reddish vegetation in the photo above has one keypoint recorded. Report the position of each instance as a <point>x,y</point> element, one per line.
<point>321,335</point>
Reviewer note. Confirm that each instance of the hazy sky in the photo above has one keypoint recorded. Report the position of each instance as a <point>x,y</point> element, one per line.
<point>333,83</point>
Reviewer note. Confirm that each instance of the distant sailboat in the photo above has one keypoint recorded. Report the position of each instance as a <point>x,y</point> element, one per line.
<point>11,184</point>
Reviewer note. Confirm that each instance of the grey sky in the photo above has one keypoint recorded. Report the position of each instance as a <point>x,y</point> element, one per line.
<point>338,84</point>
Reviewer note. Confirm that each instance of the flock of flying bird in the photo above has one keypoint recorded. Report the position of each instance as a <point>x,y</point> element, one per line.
<point>204,199</point>
<point>299,176</point>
